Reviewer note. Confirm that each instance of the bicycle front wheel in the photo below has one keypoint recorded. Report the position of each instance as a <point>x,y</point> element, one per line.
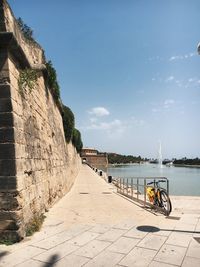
<point>165,201</point>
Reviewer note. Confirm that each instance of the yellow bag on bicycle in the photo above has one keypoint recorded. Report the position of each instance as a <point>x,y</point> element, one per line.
<point>150,193</point>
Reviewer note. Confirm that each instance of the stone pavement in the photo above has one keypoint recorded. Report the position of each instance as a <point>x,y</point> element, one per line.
<point>93,226</point>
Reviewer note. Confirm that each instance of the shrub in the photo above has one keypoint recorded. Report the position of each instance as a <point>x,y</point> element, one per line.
<point>35,224</point>
<point>68,123</point>
<point>76,140</point>
<point>52,79</point>
<point>26,30</point>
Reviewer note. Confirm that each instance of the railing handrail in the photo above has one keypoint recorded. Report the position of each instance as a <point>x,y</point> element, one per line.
<point>126,187</point>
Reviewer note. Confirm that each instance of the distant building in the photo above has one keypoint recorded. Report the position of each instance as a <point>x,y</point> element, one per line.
<point>94,158</point>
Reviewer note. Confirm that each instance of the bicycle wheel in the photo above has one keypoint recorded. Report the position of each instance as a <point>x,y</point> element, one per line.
<point>165,201</point>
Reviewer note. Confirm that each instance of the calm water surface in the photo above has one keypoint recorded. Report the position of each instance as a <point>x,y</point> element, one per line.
<point>182,181</point>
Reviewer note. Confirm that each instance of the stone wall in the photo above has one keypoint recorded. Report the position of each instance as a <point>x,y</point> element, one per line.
<point>97,161</point>
<point>36,165</point>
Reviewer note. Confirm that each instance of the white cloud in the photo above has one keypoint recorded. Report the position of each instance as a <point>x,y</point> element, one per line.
<point>168,103</point>
<point>191,80</point>
<point>99,111</point>
<point>105,125</point>
<point>169,79</point>
<point>155,110</point>
<point>186,56</point>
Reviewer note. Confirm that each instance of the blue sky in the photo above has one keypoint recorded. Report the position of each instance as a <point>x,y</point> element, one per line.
<point>128,69</point>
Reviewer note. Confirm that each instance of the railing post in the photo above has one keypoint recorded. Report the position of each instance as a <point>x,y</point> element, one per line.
<point>167,197</point>
<point>131,188</point>
<point>137,188</point>
<point>145,183</point>
<point>123,185</point>
<point>127,186</point>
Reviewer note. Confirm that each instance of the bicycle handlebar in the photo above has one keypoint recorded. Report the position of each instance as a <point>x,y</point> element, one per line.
<point>156,182</point>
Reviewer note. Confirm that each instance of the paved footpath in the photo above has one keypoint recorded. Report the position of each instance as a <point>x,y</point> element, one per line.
<point>94,226</point>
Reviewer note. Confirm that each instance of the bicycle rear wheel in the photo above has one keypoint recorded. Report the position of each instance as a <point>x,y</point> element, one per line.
<point>165,201</point>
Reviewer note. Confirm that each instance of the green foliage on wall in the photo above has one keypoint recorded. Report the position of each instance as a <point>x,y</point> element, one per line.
<point>52,79</point>
<point>71,133</point>
<point>76,140</point>
<point>26,30</point>
<point>27,79</point>
<point>68,123</point>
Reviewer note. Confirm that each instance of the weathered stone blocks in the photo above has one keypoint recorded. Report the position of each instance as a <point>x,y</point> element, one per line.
<point>37,167</point>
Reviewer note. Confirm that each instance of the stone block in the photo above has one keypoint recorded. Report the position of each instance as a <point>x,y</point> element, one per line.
<point>171,254</point>
<point>5,105</point>
<point>7,167</point>
<point>7,183</point>
<point>7,151</point>
<point>152,241</point>
<point>92,248</point>
<point>7,135</point>
<point>139,257</point>
<point>111,235</point>
<point>4,91</point>
<point>8,225</point>
<point>105,259</point>
<point>123,245</point>
<point>8,202</point>
<point>6,120</point>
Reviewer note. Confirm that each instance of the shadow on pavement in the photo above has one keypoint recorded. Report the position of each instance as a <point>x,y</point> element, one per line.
<point>51,261</point>
<point>3,253</point>
<point>153,229</point>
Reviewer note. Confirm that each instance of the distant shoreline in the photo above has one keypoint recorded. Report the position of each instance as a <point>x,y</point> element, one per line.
<point>175,165</point>
<point>185,165</point>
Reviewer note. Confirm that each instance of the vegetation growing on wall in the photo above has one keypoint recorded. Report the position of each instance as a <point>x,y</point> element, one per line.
<point>68,123</point>
<point>71,133</point>
<point>26,30</point>
<point>76,140</point>
<point>27,80</point>
<point>52,79</point>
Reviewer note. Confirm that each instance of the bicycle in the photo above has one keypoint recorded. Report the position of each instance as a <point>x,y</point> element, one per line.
<point>158,196</point>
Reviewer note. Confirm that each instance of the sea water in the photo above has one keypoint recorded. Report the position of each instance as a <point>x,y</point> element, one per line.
<point>183,181</point>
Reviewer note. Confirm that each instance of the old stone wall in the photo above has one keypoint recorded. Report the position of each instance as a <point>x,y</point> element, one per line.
<point>37,167</point>
<point>96,161</point>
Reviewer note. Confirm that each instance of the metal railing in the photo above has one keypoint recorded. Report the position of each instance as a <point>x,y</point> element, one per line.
<point>135,189</point>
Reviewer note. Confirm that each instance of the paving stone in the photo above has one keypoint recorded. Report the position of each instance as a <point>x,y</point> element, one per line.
<point>138,257</point>
<point>53,241</point>
<point>194,249</point>
<point>159,264</point>
<point>152,241</point>
<point>171,254</point>
<point>179,239</point>
<point>105,259</point>
<point>111,235</point>
<point>20,256</point>
<point>126,225</point>
<point>31,263</point>
<point>191,262</point>
<point>71,261</point>
<point>100,228</point>
<point>123,245</point>
<point>56,253</point>
<point>92,248</point>
<point>134,233</point>
<point>83,238</point>
<point>185,228</point>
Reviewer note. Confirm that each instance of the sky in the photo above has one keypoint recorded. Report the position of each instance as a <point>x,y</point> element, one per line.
<point>128,69</point>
